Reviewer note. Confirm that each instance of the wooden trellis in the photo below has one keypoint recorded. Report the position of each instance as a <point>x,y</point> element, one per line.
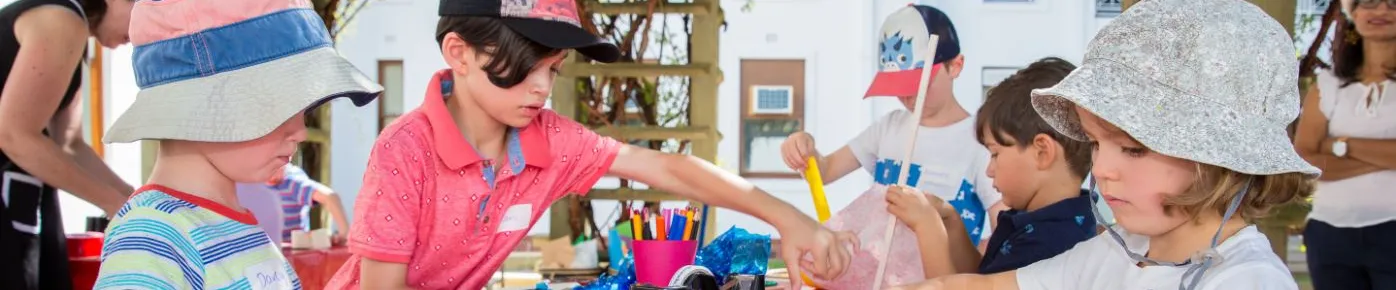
<point>704,76</point>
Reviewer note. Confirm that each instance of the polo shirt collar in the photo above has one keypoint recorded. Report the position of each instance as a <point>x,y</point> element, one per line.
<point>526,146</point>
<point>1067,209</point>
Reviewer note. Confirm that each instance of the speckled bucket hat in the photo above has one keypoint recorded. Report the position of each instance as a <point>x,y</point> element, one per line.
<point>1212,81</point>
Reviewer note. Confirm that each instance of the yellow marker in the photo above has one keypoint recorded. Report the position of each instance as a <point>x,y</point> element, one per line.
<point>816,188</point>
<point>821,204</point>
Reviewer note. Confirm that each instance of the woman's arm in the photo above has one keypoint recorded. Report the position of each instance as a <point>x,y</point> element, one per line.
<point>52,40</point>
<point>1378,152</point>
<point>694,178</point>
<point>66,130</point>
<point>1310,136</point>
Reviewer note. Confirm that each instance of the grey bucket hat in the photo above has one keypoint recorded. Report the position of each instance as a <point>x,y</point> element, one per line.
<point>1212,81</point>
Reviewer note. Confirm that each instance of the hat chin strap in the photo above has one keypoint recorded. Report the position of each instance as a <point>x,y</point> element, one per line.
<point>1204,259</point>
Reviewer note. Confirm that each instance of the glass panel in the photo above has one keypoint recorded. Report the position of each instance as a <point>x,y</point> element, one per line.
<point>773,100</point>
<point>392,88</point>
<point>761,144</point>
<point>1107,8</point>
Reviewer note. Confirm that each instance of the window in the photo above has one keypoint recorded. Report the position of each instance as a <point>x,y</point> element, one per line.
<point>772,100</point>
<point>1108,8</point>
<point>390,104</point>
<point>772,109</point>
<point>992,76</point>
<point>1312,7</point>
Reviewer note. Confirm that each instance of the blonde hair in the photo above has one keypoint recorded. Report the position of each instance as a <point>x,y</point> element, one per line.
<point>1215,187</point>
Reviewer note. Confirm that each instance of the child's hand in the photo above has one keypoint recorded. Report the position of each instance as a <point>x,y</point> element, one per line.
<point>796,149</point>
<point>916,208</point>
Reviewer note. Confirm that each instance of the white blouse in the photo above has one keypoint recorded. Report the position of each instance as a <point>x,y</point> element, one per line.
<point>1357,111</point>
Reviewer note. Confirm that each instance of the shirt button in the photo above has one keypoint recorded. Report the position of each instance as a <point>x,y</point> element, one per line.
<point>517,194</point>
<point>456,222</point>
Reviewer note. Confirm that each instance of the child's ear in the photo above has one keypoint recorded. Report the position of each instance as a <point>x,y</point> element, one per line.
<point>955,65</point>
<point>1046,149</point>
<point>457,53</point>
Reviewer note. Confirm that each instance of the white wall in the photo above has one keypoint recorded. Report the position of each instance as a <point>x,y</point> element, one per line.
<point>838,66</point>
<point>385,30</point>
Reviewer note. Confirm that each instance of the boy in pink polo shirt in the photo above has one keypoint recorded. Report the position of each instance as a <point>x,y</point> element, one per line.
<point>455,184</point>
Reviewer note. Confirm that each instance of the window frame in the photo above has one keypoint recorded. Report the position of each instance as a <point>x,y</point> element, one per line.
<point>796,84</point>
<point>384,119</point>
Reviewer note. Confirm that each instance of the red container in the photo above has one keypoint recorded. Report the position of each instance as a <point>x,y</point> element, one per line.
<point>85,258</point>
<point>87,244</point>
<point>657,261</point>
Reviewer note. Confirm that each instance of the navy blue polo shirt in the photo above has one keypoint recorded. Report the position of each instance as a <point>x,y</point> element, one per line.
<point>1022,238</point>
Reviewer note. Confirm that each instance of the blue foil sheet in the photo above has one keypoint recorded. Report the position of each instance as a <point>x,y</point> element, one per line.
<point>622,280</point>
<point>736,252</point>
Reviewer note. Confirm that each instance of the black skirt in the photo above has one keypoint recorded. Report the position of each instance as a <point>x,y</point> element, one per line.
<point>33,246</point>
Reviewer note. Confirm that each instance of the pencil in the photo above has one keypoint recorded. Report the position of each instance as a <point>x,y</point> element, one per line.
<point>688,226</point>
<point>660,227</point>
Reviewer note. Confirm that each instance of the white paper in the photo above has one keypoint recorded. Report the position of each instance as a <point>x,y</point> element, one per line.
<point>516,218</point>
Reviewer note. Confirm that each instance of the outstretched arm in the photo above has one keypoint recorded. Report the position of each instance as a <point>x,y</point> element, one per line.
<point>694,178</point>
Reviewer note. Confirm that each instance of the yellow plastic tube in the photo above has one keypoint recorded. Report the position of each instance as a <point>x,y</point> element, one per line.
<point>821,204</point>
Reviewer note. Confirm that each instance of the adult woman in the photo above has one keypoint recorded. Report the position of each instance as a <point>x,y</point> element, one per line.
<point>42,45</point>
<point>1348,128</point>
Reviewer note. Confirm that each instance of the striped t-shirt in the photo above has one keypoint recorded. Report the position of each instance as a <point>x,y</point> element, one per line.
<point>296,190</point>
<point>166,239</point>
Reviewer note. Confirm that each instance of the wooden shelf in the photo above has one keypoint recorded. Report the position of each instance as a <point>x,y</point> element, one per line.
<point>698,133</point>
<point>631,194</point>
<point>641,70</point>
<point>642,8</point>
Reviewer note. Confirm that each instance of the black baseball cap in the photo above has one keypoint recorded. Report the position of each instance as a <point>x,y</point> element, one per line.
<point>552,23</point>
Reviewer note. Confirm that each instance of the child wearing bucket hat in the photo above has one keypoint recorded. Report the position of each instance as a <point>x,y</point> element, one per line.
<point>455,184</point>
<point>1186,103</point>
<point>224,87</point>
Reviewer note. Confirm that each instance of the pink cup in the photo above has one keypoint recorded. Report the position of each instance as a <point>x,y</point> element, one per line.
<point>657,261</point>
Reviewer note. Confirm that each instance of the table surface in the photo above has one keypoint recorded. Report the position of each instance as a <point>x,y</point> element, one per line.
<point>316,267</point>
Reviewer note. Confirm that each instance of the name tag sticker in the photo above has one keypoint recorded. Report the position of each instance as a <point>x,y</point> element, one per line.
<point>516,218</point>
<point>268,275</point>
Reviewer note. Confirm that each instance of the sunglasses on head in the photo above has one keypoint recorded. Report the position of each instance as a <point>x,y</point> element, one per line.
<point>1368,4</point>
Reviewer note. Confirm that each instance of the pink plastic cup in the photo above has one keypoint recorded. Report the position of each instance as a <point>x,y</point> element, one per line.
<point>657,261</point>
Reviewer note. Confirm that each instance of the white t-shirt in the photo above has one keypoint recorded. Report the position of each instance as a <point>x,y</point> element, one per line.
<point>948,162</point>
<point>1100,263</point>
<point>1363,200</point>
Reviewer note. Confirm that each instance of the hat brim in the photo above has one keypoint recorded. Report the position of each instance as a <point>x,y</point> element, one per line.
<point>1150,113</point>
<point>562,35</point>
<point>903,83</point>
<point>243,104</point>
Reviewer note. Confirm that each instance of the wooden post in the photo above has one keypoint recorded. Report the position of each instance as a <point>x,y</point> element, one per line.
<point>704,78</point>
<point>564,102</point>
<point>703,89</point>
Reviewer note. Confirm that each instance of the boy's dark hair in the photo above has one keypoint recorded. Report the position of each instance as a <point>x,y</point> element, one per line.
<point>512,55</point>
<point>1007,111</point>
<point>1348,56</point>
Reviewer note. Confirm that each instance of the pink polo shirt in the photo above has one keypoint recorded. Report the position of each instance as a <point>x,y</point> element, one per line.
<point>425,201</point>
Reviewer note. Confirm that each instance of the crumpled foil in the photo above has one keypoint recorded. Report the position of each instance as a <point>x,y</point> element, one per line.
<point>622,280</point>
<point>736,252</point>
